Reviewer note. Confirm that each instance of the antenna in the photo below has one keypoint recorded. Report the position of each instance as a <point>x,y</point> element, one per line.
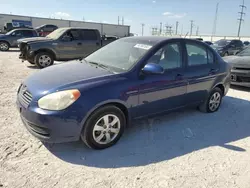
<point>241,16</point>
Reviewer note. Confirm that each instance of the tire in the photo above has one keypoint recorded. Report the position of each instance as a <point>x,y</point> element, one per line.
<point>47,57</point>
<point>4,46</point>
<point>31,62</point>
<point>90,136</point>
<point>226,54</point>
<point>206,105</point>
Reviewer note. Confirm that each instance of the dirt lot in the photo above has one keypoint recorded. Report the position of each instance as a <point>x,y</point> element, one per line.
<point>184,149</point>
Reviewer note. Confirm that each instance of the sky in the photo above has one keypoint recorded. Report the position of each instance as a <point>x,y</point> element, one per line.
<point>138,12</point>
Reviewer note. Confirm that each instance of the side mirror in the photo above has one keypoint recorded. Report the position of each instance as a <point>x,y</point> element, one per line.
<point>66,38</point>
<point>152,68</point>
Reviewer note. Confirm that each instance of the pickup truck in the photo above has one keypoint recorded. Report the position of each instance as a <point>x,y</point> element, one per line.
<point>62,44</point>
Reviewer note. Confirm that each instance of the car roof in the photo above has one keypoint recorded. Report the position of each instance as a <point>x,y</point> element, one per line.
<point>153,40</point>
<point>76,28</point>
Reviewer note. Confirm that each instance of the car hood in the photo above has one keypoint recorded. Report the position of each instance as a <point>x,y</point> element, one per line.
<point>34,39</point>
<point>2,36</point>
<point>65,75</point>
<point>238,60</point>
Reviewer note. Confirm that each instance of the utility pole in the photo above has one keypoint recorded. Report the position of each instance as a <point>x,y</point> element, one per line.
<point>241,16</point>
<point>191,27</point>
<point>142,28</point>
<point>197,31</point>
<point>160,28</point>
<point>122,20</point>
<point>118,20</point>
<point>215,21</point>
<point>181,29</point>
<point>176,27</point>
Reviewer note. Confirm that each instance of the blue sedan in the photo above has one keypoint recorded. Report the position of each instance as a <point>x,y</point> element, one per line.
<point>96,98</point>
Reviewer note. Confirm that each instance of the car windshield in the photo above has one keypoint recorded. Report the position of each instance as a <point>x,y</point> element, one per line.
<point>222,42</point>
<point>57,33</point>
<point>10,32</point>
<point>245,52</point>
<point>120,55</point>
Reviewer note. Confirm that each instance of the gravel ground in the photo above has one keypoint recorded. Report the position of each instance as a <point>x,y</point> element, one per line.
<point>183,149</point>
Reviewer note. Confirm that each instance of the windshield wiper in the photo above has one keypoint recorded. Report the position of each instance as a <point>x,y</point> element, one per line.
<point>97,64</point>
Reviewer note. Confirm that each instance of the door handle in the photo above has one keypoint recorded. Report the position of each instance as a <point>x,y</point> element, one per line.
<point>178,76</point>
<point>79,43</point>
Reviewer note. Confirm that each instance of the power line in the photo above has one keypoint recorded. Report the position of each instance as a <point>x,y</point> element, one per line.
<point>241,16</point>
<point>191,27</point>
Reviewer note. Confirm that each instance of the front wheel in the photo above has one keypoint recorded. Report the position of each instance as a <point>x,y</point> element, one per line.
<point>226,54</point>
<point>104,127</point>
<point>44,59</point>
<point>213,102</point>
<point>4,46</point>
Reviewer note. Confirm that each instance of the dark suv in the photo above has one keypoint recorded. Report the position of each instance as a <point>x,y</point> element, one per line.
<point>10,39</point>
<point>62,44</point>
<point>228,47</point>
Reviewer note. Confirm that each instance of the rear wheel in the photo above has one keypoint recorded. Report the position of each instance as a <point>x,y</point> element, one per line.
<point>213,102</point>
<point>44,59</point>
<point>4,46</point>
<point>104,127</point>
<point>226,54</point>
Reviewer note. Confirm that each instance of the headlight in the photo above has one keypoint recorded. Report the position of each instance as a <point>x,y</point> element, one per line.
<point>59,100</point>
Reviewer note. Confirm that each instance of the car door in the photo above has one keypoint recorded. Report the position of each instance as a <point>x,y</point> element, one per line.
<point>163,92</point>
<point>28,33</point>
<point>15,35</point>
<point>201,71</point>
<point>90,41</point>
<point>69,49</point>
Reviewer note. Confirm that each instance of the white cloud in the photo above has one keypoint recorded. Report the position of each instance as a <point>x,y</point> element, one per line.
<point>153,1</point>
<point>172,15</point>
<point>61,15</point>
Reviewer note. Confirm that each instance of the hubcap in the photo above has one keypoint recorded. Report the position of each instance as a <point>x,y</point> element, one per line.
<point>106,129</point>
<point>45,60</point>
<point>214,101</point>
<point>3,46</point>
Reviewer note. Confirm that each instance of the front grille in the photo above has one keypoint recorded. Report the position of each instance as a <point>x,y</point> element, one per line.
<point>243,79</point>
<point>241,68</point>
<point>25,97</point>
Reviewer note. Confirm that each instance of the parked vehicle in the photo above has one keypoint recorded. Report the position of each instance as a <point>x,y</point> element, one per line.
<point>10,39</point>
<point>208,42</point>
<point>240,72</point>
<point>228,47</point>
<point>200,39</point>
<point>46,29</point>
<point>62,44</point>
<point>106,39</point>
<point>246,43</point>
<point>96,98</point>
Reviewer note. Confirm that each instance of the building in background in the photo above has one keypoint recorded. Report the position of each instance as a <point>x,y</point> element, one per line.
<point>104,28</point>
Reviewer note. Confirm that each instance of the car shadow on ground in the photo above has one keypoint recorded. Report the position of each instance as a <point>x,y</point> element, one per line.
<point>247,89</point>
<point>166,137</point>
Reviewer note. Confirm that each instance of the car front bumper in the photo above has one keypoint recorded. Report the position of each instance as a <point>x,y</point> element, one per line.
<point>50,126</point>
<point>240,77</point>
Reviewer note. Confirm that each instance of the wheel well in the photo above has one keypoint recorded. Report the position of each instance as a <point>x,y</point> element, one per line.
<point>46,50</point>
<point>5,41</point>
<point>222,88</point>
<point>121,107</point>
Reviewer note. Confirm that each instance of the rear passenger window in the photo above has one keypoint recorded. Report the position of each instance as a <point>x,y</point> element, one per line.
<point>198,55</point>
<point>89,35</point>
